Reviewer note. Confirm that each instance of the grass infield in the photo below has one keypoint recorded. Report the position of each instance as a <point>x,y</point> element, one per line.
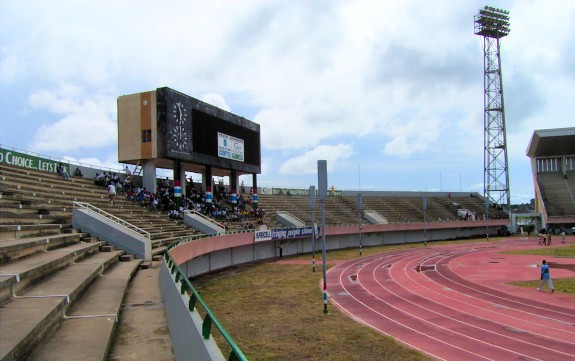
<point>274,311</point>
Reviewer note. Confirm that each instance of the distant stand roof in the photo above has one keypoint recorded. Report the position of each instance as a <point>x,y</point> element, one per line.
<point>552,142</point>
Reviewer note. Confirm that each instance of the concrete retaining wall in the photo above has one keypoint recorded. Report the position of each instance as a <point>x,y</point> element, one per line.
<point>185,327</point>
<point>109,231</point>
<point>210,254</point>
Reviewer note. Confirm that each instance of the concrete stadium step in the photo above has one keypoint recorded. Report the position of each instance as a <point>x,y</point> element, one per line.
<point>165,241</point>
<point>36,183</point>
<point>10,172</point>
<point>7,218</point>
<point>45,303</point>
<point>56,197</point>
<point>12,249</point>
<point>89,325</point>
<point>18,318</point>
<point>32,269</point>
<point>31,230</point>
<point>18,205</point>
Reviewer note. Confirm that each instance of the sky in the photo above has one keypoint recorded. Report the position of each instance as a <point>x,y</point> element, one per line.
<point>390,93</point>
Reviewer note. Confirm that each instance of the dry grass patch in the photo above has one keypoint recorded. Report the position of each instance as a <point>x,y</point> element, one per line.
<point>275,312</point>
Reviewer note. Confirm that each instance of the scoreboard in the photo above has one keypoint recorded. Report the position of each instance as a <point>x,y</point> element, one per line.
<point>194,131</point>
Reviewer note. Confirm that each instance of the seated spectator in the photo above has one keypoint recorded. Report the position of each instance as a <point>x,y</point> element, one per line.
<point>62,172</point>
<point>174,215</point>
<point>99,181</point>
<point>78,172</point>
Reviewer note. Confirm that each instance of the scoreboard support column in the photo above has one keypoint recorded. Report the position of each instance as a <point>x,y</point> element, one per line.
<point>234,187</point>
<point>208,184</point>
<point>178,182</point>
<point>255,190</point>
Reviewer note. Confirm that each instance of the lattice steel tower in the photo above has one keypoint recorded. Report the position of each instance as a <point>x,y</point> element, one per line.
<point>493,24</point>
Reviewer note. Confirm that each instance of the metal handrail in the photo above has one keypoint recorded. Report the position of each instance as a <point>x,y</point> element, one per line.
<point>209,319</point>
<point>113,218</point>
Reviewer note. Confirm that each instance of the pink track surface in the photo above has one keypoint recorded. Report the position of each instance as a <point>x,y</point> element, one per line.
<point>453,302</point>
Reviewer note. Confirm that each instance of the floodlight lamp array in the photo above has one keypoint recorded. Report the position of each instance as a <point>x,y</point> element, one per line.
<point>496,10</point>
<point>492,22</point>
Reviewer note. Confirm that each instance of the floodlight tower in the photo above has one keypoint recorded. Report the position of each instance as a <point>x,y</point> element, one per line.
<point>493,24</point>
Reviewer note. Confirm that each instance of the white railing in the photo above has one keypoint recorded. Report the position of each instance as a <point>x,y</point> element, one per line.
<point>203,216</point>
<point>61,160</point>
<point>113,218</point>
<point>290,215</point>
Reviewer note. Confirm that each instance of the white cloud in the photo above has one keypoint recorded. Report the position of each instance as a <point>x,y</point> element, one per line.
<point>11,67</point>
<point>216,100</point>
<point>110,163</point>
<point>402,81</point>
<point>84,120</point>
<point>307,163</point>
<point>412,136</point>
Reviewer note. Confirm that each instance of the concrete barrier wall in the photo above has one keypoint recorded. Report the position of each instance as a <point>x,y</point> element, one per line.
<point>202,224</point>
<point>185,327</point>
<point>111,232</point>
<point>210,254</point>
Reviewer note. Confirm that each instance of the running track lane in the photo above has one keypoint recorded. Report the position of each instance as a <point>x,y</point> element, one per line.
<point>414,296</point>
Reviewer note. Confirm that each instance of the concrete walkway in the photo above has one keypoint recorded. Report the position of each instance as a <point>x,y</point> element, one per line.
<point>142,332</point>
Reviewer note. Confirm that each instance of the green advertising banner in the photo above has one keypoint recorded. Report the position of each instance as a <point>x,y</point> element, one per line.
<point>29,161</point>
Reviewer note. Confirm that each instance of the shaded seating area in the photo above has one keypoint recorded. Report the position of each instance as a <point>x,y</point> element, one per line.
<point>558,193</point>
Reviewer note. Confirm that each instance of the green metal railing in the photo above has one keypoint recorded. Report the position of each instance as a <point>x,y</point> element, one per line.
<point>195,299</point>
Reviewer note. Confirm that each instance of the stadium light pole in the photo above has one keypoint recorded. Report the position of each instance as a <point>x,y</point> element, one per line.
<point>312,207</point>
<point>322,185</point>
<point>424,201</point>
<point>493,24</point>
<point>360,218</point>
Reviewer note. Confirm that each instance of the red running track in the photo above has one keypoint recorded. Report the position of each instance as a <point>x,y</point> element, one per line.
<point>454,302</point>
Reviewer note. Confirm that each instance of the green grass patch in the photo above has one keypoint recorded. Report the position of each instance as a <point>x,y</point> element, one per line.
<point>564,251</point>
<point>562,285</point>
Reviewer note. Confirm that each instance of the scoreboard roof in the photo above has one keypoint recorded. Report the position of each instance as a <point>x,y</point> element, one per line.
<point>552,142</point>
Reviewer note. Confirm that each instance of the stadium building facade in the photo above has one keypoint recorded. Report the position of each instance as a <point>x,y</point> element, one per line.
<point>552,155</point>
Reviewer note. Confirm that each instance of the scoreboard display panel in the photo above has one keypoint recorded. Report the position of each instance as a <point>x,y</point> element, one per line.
<point>191,130</point>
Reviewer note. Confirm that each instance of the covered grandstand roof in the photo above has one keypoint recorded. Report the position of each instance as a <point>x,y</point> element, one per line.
<point>552,142</point>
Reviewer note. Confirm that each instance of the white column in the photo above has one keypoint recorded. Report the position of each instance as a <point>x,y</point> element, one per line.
<point>149,176</point>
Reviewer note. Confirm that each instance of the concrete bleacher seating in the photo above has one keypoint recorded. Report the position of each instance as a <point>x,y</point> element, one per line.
<point>558,193</point>
<point>343,210</point>
<point>48,195</point>
<point>61,290</point>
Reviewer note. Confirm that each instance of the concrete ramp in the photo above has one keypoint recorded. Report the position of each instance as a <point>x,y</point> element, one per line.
<point>202,223</point>
<point>374,218</point>
<point>289,220</point>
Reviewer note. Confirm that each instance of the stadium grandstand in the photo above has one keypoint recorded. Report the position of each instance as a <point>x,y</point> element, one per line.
<point>100,260</point>
<point>101,276</point>
<point>552,155</point>
<point>78,282</point>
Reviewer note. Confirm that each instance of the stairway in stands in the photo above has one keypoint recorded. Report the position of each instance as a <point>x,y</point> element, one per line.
<point>61,290</point>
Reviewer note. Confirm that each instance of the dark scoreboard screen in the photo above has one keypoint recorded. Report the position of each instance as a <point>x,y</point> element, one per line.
<point>191,130</point>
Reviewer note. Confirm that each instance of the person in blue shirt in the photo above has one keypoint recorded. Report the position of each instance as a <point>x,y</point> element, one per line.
<point>545,278</point>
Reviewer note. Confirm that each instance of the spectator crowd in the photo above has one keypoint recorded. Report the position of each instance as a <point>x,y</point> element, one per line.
<point>241,215</point>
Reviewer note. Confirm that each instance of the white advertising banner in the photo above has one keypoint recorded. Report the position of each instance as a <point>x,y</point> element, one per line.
<point>230,147</point>
<point>282,233</point>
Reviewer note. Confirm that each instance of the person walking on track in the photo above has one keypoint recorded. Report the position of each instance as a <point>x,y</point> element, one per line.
<point>545,278</point>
